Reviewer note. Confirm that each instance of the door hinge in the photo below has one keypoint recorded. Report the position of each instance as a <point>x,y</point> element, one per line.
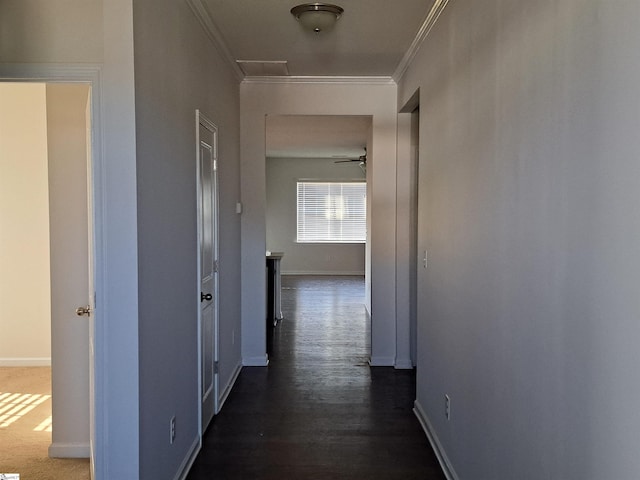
<point>215,165</point>
<point>216,367</point>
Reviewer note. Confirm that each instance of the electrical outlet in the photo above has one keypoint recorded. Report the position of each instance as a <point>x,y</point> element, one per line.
<point>447,407</point>
<point>172,430</point>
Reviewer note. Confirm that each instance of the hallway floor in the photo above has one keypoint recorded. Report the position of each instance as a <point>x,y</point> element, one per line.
<point>319,411</point>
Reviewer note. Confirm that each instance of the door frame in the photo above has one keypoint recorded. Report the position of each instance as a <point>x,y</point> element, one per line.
<point>203,121</point>
<point>406,231</point>
<point>90,75</point>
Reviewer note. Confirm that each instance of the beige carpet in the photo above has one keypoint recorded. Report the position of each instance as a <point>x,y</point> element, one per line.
<point>25,428</point>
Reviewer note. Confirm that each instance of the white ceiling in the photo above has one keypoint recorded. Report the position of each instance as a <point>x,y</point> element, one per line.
<point>369,39</point>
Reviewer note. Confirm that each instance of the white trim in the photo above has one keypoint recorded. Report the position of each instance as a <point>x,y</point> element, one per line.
<point>187,463</point>
<point>25,362</point>
<point>403,364</point>
<point>227,390</point>
<point>381,361</point>
<point>198,276</point>
<point>69,450</point>
<point>204,17</point>
<point>90,74</point>
<point>441,455</point>
<point>359,273</point>
<point>259,361</point>
<point>373,80</point>
<point>429,21</point>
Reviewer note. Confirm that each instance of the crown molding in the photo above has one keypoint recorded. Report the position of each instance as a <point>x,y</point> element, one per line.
<point>429,21</point>
<point>363,80</point>
<point>204,17</point>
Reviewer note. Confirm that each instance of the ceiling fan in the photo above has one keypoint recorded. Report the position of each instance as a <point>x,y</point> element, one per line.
<point>361,159</point>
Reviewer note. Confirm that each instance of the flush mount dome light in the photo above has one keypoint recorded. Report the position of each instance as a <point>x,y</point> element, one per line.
<point>317,16</point>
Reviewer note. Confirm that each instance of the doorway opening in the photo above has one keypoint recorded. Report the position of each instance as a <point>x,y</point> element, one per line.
<point>413,233</point>
<point>46,251</point>
<point>408,260</point>
<point>317,153</point>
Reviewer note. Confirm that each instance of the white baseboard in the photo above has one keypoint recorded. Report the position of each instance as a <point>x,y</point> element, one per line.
<point>69,450</point>
<point>332,273</point>
<point>382,362</point>
<point>230,384</point>
<point>187,463</point>
<point>25,362</point>
<point>441,455</point>
<point>262,361</point>
<point>403,364</point>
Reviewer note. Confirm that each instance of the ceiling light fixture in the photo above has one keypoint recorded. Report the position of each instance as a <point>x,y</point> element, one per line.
<point>317,16</point>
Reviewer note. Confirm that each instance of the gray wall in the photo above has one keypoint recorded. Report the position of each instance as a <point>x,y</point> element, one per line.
<point>43,40</point>
<point>178,71</point>
<point>145,357</point>
<point>529,185</point>
<point>40,31</point>
<point>301,258</point>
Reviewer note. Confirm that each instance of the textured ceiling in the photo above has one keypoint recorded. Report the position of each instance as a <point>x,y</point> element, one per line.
<point>370,39</point>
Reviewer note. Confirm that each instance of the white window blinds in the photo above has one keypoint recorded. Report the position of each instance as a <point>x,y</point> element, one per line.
<point>332,212</point>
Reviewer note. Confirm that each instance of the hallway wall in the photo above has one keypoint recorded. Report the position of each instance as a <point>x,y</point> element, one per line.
<point>529,181</point>
<point>92,40</point>
<point>178,71</point>
<point>40,31</point>
<point>92,37</point>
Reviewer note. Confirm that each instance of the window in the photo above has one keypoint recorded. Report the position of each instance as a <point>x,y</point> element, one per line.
<point>332,212</point>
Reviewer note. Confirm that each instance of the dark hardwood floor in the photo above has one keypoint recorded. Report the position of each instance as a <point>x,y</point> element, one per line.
<point>319,411</point>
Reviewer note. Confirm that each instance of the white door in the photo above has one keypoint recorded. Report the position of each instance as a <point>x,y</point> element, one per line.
<point>91,287</point>
<point>208,266</point>
<point>69,147</point>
